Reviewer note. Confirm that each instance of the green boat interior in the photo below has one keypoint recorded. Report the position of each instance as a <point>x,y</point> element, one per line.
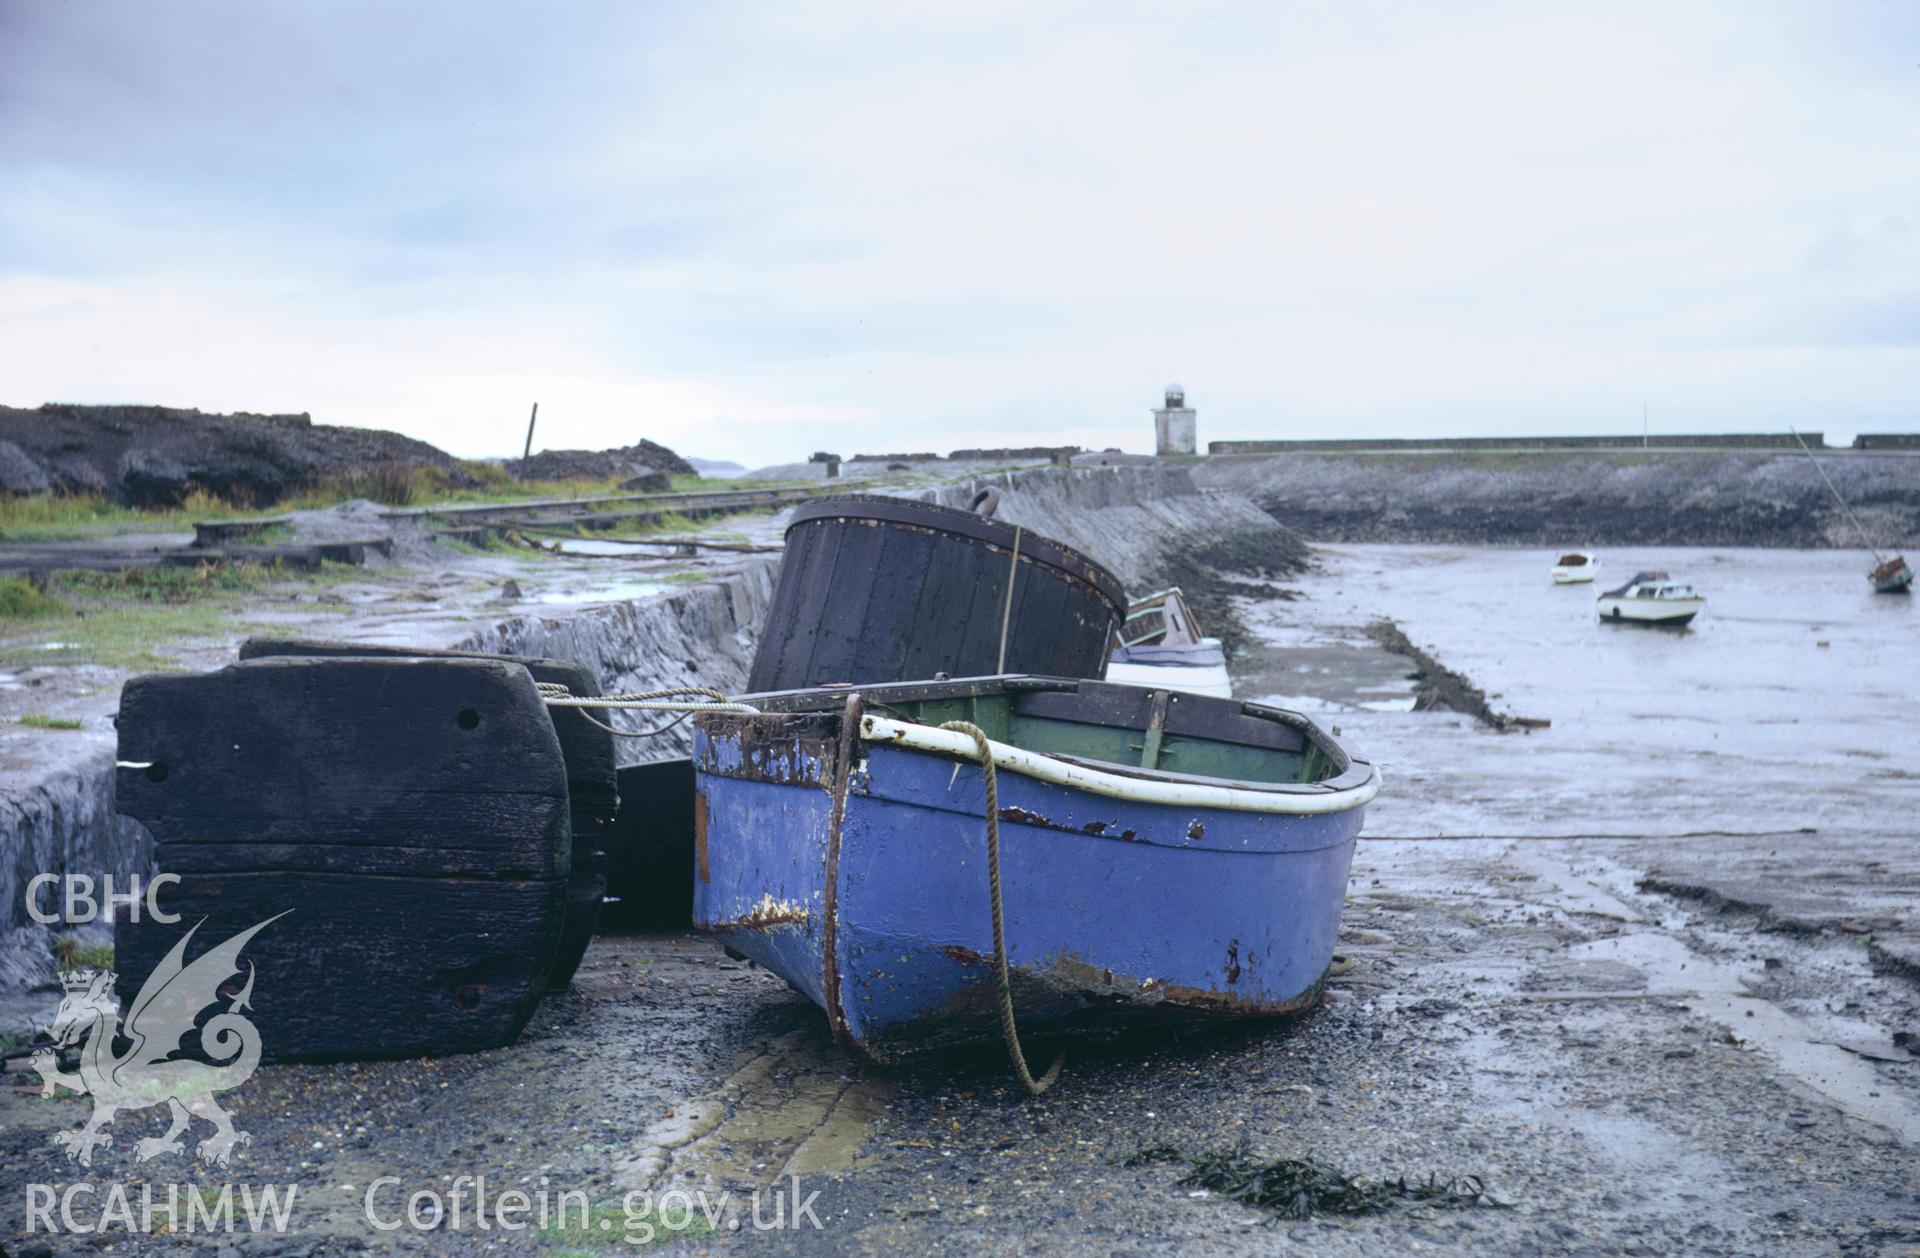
<point>1171,735</point>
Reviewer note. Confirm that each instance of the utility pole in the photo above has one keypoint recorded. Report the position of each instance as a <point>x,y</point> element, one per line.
<point>528,452</point>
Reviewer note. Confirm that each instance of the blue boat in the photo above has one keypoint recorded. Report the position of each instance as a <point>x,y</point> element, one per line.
<point>1161,856</point>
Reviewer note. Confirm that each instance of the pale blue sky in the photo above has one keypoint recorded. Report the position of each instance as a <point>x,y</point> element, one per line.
<point>754,230</point>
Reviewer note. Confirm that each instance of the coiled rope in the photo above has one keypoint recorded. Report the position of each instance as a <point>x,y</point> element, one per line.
<point>1003,978</point>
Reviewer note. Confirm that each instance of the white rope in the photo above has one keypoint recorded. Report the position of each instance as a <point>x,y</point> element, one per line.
<point>664,700</point>
<point>555,695</point>
<point>653,705</point>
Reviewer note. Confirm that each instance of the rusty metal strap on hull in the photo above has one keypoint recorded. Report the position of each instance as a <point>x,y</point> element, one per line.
<point>830,896</point>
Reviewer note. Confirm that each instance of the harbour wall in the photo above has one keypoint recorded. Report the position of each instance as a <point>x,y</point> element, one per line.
<point>1665,441</point>
<point>1571,498</point>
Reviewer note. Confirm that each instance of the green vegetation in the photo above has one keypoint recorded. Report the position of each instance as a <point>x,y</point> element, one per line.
<point>492,543</point>
<point>74,954</point>
<point>20,599</point>
<point>40,720</point>
<point>58,517</point>
<point>671,522</point>
<point>164,583</point>
<point>65,517</point>
<point>608,1225</point>
<point>133,619</point>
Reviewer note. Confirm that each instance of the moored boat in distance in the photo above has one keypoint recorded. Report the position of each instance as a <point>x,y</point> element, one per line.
<point>1576,567</point>
<point>1893,576</point>
<point>1651,598</point>
<point>1161,856</point>
<point>1887,576</point>
<point>1160,644</point>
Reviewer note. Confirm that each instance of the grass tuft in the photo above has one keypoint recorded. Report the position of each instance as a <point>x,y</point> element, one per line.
<point>166,583</point>
<point>135,619</point>
<point>74,954</point>
<point>40,720</point>
<point>20,599</point>
<point>609,1225</point>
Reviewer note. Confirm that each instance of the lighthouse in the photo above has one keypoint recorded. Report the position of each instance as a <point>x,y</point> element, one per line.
<point>1173,425</point>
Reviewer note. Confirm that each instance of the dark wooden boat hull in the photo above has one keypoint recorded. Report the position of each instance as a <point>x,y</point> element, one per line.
<point>407,816</point>
<point>885,589</point>
<point>587,748</point>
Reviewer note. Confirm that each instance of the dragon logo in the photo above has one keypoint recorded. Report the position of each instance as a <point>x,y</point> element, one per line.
<point>150,1072</point>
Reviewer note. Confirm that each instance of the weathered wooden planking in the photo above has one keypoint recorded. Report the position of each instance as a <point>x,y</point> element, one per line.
<point>881,590</point>
<point>586,747</point>
<point>413,815</point>
<point>586,892</point>
<point>414,755</point>
<point>653,878</point>
<point>365,966</point>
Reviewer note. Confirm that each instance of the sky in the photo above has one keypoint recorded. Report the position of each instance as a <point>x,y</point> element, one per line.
<point>756,230</point>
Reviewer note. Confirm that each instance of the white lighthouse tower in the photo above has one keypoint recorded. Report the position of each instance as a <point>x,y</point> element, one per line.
<point>1174,425</point>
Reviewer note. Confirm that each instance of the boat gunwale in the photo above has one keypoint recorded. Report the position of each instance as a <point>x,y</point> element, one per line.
<point>1140,786</point>
<point>1355,783</point>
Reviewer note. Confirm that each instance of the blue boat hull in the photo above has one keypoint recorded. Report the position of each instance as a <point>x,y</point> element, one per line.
<point>1117,912</point>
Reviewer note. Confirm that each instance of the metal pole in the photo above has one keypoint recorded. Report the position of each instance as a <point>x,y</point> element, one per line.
<point>528,452</point>
<point>1851,518</point>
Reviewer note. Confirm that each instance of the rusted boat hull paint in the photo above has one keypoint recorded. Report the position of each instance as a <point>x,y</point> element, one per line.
<point>1114,918</point>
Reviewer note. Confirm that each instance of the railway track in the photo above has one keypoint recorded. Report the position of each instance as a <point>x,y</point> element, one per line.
<point>615,508</point>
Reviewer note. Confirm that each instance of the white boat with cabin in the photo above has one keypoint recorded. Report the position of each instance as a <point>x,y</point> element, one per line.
<point>1576,567</point>
<point>1652,598</point>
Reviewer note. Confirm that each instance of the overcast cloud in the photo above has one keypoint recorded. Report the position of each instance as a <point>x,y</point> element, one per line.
<point>752,231</point>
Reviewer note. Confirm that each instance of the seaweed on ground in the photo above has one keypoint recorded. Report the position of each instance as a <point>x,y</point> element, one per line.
<point>1439,688</point>
<point>1299,1188</point>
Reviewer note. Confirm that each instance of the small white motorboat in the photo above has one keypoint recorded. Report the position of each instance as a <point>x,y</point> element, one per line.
<point>1651,598</point>
<point>1574,568</point>
<point>1161,646</point>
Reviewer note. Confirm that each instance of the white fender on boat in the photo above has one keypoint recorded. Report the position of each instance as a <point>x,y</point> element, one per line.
<point>1299,799</point>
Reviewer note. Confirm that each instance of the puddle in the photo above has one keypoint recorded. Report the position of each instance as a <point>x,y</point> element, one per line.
<point>1716,990</point>
<point>602,546</point>
<point>601,592</point>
